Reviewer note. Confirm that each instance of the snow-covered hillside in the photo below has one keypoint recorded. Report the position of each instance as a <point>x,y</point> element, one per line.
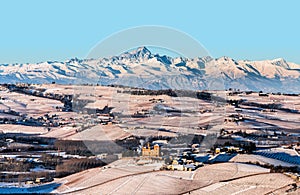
<point>141,68</point>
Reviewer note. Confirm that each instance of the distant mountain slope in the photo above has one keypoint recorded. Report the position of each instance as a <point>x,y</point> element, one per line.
<point>141,68</point>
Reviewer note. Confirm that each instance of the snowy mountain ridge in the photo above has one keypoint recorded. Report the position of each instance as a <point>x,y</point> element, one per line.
<point>141,68</point>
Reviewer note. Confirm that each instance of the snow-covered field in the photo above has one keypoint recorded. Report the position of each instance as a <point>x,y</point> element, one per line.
<point>38,189</point>
<point>245,158</point>
<point>124,176</point>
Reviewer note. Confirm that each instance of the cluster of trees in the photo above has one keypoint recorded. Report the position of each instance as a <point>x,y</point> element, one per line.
<point>269,106</point>
<point>188,139</point>
<point>15,166</point>
<point>282,169</point>
<point>203,95</point>
<point>34,143</point>
<point>50,161</point>
<point>89,148</point>
<point>76,165</point>
<point>33,139</point>
<point>291,94</point>
<point>172,93</point>
<point>259,105</point>
<point>78,104</point>
<point>248,147</point>
<point>32,176</point>
<point>235,102</point>
<point>168,92</point>
<point>23,177</point>
<point>277,169</point>
<point>72,147</point>
<point>18,171</point>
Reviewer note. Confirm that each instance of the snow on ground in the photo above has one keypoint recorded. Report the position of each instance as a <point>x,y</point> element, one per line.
<point>256,184</point>
<point>10,128</point>
<point>39,189</point>
<point>126,177</point>
<point>123,176</point>
<point>101,132</point>
<point>224,171</point>
<point>245,158</point>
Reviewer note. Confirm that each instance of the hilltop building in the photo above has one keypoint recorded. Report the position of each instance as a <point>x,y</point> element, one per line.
<point>151,152</point>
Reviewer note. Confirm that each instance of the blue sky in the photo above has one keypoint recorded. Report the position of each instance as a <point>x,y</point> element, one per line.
<point>34,30</point>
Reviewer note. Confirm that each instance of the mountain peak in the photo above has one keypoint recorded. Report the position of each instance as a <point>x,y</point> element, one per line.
<point>280,62</point>
<point>143,49</point>
<point>141,52</point>
<point>225,59</point>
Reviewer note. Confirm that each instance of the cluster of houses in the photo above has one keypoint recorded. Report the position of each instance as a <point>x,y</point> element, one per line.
<point>229,149</point>
<point>295,176</point>
<point>190,158</point>
<point>184,163</point>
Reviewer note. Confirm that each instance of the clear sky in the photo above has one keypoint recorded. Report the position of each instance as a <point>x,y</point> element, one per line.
<point>36,30</point>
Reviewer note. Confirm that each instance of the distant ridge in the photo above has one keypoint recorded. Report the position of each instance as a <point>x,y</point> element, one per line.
<point>141,68</point>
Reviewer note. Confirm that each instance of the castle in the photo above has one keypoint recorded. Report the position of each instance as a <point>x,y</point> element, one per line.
<point>147,151</point>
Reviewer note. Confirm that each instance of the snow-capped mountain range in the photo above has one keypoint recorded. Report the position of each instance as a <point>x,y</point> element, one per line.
<point>141,68</point>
